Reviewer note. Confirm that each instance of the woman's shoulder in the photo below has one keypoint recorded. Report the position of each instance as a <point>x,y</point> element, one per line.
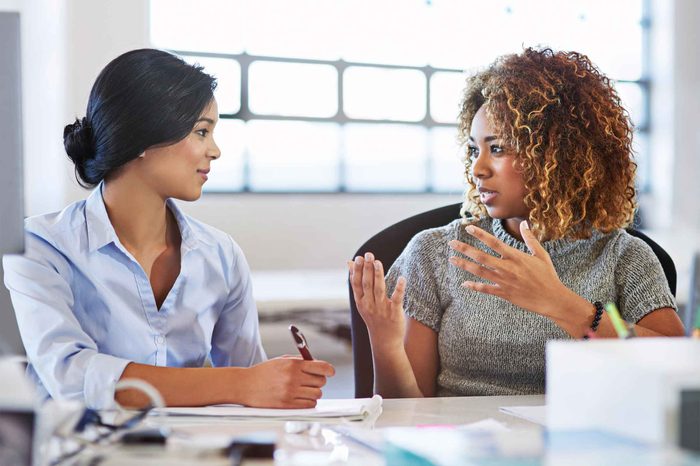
<point>437,234</point>
<point>622,241</point>
<point>60,226</point>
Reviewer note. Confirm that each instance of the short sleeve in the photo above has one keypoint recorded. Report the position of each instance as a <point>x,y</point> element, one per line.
<point>422,265</point>
<point>642,286</point>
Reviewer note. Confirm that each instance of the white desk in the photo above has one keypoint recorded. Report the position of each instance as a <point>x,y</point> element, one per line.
<point>458,410</point>
<point>326,447</point>
<point>320,449</point>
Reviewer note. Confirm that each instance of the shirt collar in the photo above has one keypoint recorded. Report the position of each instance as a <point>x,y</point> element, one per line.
<point>99,228</point>
<point>191,238</point>
<point>101,232</point>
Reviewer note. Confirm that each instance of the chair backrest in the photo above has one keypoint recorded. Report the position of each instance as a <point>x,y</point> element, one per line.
<point>388,244</point>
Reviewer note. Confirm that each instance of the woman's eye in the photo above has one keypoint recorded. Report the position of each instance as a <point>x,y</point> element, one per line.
<point>202,132</point>
<point>496,149</point>
<point>472,152</point>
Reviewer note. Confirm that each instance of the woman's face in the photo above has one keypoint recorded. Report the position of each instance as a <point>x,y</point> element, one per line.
<point>180,170</point>
<point>500,183</point>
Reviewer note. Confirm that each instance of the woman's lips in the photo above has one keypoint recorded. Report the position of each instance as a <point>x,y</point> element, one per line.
<point>487,196</point>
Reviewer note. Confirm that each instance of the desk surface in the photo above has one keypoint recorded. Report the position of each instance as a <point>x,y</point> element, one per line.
<point>457,410</point>
<point>325,446</point>
<point>318,448</point>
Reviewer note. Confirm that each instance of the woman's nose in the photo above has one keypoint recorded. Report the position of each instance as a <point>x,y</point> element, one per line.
<point>214,152</point>
<point>480,168</point>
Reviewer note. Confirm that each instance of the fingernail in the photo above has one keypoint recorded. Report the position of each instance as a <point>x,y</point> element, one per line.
<point>368,256</point>
<point>525,225</point>
<point>470,229</point>
<point>377,265</point>
<point>358,260</point>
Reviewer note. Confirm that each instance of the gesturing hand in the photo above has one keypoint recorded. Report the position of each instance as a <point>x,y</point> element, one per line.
<point>383,316</point>
<point>526,280</point>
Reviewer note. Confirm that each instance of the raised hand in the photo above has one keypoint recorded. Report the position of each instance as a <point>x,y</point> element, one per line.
<point>526,280</point>
<point>383,316</point>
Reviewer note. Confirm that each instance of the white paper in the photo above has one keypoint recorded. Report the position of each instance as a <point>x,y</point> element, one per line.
<point>347,409</point>
<point>484,425</point>
<point>536,414</point>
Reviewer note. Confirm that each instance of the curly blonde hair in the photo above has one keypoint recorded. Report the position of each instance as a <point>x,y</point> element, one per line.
<point>571,135</point>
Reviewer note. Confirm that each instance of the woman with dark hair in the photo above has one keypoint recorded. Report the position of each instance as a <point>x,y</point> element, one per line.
<point>125,285</point>
<point>540,246</point>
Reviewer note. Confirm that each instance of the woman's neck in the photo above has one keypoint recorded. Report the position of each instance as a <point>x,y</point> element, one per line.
<point>512,226</point>
<point>139,215</point>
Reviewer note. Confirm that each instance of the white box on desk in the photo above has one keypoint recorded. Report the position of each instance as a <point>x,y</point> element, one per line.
<point>629,387</point>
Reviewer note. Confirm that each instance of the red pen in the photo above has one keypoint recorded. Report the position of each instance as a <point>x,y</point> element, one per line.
<point>301,343</point>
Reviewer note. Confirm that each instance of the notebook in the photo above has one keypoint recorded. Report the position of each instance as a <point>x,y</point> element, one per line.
<point>330,410</point>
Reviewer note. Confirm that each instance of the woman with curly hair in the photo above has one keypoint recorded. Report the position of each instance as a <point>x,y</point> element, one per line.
<point>541,243</point>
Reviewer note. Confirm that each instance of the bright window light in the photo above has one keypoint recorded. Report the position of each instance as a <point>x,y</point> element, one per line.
<point>364,95</point>
<point>228,77</point>
<point>445,95</point>
<point>293,89</point>
<point>293,156</point>
<point>384,94</point>
<point>385,157</point>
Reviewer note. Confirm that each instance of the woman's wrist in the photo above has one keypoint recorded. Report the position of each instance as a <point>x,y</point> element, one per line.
<point>385,346</point>
<point>238,385</point>
<point>571,312</point>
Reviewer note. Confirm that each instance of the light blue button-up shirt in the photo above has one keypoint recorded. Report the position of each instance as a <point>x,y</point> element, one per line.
<point>85,307</point>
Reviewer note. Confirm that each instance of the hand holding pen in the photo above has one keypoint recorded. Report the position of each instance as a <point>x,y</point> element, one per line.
<point>289,382</point>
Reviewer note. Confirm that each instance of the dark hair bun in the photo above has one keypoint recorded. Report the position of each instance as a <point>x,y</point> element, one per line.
<point>77,139</point>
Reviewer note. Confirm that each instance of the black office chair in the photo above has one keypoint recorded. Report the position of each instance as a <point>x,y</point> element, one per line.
<point>388,244</point>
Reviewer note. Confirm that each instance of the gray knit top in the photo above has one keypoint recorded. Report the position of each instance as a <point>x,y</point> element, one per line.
<point>487,345</point>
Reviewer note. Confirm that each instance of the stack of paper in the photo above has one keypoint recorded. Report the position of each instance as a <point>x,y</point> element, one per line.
<point>359,409</point>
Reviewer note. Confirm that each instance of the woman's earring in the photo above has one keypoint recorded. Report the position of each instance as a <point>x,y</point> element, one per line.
<point>143,155</point>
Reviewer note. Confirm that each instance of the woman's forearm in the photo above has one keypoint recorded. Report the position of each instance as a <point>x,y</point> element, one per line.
<point>286,382</point>
<point>393,374</point>
<point>186,386</point>
<point>575,315</point>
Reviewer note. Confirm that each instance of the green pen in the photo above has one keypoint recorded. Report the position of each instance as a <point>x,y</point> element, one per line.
<point>617,322</point>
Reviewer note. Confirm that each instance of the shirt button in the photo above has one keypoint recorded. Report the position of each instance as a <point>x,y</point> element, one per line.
<point>160,339</point>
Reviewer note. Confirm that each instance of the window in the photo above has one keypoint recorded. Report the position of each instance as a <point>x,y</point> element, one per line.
<point>356,96</point>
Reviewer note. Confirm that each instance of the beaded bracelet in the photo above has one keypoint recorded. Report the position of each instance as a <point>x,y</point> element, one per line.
<point>596,317</point>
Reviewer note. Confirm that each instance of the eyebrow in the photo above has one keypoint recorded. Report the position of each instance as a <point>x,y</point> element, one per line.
<point>486,139</point>
<point>208,120</point>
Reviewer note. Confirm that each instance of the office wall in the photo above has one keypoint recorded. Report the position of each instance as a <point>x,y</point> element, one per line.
<point>686,126</point>
<point>11,209</point>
